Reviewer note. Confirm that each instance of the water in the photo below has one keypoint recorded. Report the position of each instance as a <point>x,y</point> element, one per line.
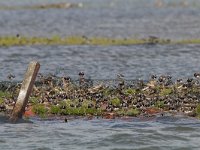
<point>98,62</point>
<point>114,18</point>
<point>161,133</point>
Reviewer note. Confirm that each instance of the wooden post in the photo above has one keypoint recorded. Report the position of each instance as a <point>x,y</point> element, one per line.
<point>25,91</point>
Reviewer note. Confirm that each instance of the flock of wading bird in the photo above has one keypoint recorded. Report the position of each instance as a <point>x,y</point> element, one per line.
<point>62,96</point>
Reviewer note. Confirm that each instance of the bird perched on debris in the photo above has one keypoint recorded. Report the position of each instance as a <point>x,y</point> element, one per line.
<point>95,89</point>
<point>11,76</point>
<point>121,83</point>
<point>165,80</point>
<point>152,83</point>
<point>197,76</point>
<point>81,78</point>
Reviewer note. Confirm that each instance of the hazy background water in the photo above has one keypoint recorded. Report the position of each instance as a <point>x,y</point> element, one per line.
<point>107,18</point>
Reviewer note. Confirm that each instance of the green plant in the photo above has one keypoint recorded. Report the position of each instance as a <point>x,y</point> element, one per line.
<point>159,104</point>
<point>130,91</point>
<point>55,109</point>
<point>133,112</point>
<point>166,91</point>
<point>1,100</point>
<point>197,110</point>
<point>5,94</point>
<point>115,102</point>
<point>40,109</point>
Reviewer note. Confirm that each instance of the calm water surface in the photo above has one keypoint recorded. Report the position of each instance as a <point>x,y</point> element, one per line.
<point>108,18</point>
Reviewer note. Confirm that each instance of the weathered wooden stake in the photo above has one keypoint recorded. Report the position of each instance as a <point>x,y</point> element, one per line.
<point>25,91</point>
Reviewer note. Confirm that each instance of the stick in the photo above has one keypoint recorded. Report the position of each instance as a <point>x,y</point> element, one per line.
<point>25,91</point>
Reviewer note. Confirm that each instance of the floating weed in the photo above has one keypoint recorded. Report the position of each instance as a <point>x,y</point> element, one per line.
<point>86,103</point>
<point>33,100</point>
<point>159,104</point>
<point>128,112</point>
<point>198,110</point>
<point>188,41</point>
<point>5,94</point>
<point>81,111</point>
<point>68,102</point>
<point>55,109</point>
<point>1,100</point>
<point>130,91</point>
<point>107,91</point>
<point>115,102</point>
<point>166,91</point>
<point>40,109</point>
<point>133,112</point>
<point>43,6</point>
<point>82,40</point>
<point>75,40</point>
<point>91,111</point>
<point>74,111</point>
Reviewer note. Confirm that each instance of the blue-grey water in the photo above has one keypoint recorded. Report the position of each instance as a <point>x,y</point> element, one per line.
<point>103,18</point>
<point>107,18</point>
<point>161,133</point>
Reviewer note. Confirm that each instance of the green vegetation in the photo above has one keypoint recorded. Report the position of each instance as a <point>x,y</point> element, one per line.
<point>33,100</point>
<point>81,111</point>
<point>5,94</point>
<point>115,102</point>
<point>130,91</point>
<point>82,40</point>
<point>128,112</point>
<point>159,104</point>
<point>63,5</point>
<point>166,91</point>
<point>1,101</point>
<point>198,110</point>
<point>40,109</point>
<point>133,112</point>
<point>55,109</point>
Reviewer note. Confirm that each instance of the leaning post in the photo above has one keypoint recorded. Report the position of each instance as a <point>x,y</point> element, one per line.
<point>25,91</point>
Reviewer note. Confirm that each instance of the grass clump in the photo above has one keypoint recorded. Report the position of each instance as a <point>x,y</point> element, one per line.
<point>74,111</point>
<point>40,109</point>
<point>166,91</point>
<point>33,100</point>
<point>197,110</point>
<point>4,94</point>
<point>1,101</point>
<point>54,109</point>
<point>130,91</point>
<point>133,112</point>
<point>128,112</point>
<point>159,104</point>
<point>115,102</point>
